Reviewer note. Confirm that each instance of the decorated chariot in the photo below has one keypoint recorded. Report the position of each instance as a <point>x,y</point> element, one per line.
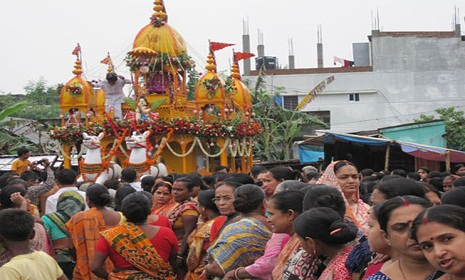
<point>176,129</point>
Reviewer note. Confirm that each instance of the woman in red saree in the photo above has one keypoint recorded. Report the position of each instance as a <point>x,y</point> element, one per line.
<point>138,250</point>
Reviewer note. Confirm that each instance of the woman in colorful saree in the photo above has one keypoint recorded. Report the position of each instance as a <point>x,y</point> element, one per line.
<point>163,201</point>
<point>84,228</point>
<point>395,219</point>
<point>242,242</point>
<point>323,232</point>
<point>199,240</point>
<point>69,203</point>
<point>138,250</point>
<point>343,175</point>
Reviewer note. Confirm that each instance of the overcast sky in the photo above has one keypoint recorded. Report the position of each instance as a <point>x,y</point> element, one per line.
<point>37,37</point>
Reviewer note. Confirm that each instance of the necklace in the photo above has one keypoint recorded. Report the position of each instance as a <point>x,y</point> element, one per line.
<point>401,270</point>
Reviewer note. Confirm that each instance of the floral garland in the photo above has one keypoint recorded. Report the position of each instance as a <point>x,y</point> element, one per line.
<point>211,85</point>
<point>183,61</point>
<point>229,85</point>
<point>180,126</point>
<point>73,134</point>
<point>74,89</point>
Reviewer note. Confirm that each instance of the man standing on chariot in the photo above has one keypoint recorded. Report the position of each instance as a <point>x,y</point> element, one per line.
<point>113,88</point>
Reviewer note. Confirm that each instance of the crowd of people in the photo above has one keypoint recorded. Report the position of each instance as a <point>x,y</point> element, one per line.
<point>273,223</point>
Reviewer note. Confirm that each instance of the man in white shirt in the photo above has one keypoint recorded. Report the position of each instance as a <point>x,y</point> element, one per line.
<point>66,181</point>
<point>114,95</point>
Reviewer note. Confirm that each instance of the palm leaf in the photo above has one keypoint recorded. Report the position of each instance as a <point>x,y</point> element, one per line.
<point>12,109</point>
<point>131,102</point>
<point>157,103</point>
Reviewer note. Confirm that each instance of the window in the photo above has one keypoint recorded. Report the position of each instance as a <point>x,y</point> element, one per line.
<point>290,102</point>
<point>354,97</point>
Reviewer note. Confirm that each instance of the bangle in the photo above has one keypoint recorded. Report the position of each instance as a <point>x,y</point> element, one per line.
<point>236,273</point>
<point>180,257</point>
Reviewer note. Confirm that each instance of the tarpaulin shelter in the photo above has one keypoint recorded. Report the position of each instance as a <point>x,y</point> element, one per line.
<point>372,151</point>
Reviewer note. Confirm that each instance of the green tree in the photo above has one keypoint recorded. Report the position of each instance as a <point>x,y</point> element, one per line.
<point>454,120</point>
<point>281,126</point>
<point>43,101</point>
<point>8,141</point>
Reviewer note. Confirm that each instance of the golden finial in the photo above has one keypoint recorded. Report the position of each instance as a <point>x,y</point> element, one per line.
<point>77,67</point>
<point>235,71</point>
<point>211,64</point>
<point>159,17</point>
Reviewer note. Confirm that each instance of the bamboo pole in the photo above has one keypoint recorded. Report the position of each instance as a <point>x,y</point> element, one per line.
<point>448,160</point>
<point>386,159</point>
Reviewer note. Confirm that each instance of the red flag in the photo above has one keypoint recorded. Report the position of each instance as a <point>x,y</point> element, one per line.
<point>241,55</point>
<point>106,60</point>
<point>215,46</point>
<point>76,50</point>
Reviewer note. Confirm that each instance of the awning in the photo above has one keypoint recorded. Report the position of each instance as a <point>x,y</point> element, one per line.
<point>331,137</point>
<point>430,152</point>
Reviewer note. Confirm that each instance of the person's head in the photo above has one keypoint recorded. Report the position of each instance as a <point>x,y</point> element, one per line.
<point>20,183</point>
<point>206,204</point>
<point>255,170</point>
<point>274,176</point>
<point>448,183</point>
<point>241,178</point>
<point>431,193</point>
<point>147,183</point>
<point>97,195</point>
<point>459,182</point>
<point>347,177</point>
<point>308,172</point>
<point>30,177</point>
<point>322,228</point>
<point>423,172</point>
<point>249,198</point>
<point>224,198</point>
<point>208,181</point>
<point>128,175</point>
<point>366,172</point>
<point>396,187</point>
<point>121,193</point>
<point>198,183</point>
<point>290,185</point>
<point>111,78</point>
<point>5,196</point>
<point>459,169</point>
<point>162,192</point>
<point>16,225</point>
<point>136,207</point>
<point>456,196</point>
<point>69,203</point>
<point>440,232</point>
<point>222,168</point>
<point>66,177</point>
<point>23,152</point>
<point>399,172</point>
<point>413,176</point>
<point>182,189</point>
<point>114,184</point>
<point>324,196</point>
<point>283,208</point>
<point>395,219</point>
<point>375,238</point>
<point>7,177</point>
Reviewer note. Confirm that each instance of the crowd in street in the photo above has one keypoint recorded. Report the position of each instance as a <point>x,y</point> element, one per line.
<point>272,223</point>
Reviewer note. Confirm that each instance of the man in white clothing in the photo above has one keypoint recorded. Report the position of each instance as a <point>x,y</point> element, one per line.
<point>114,95</point>
<point>66,181</point>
